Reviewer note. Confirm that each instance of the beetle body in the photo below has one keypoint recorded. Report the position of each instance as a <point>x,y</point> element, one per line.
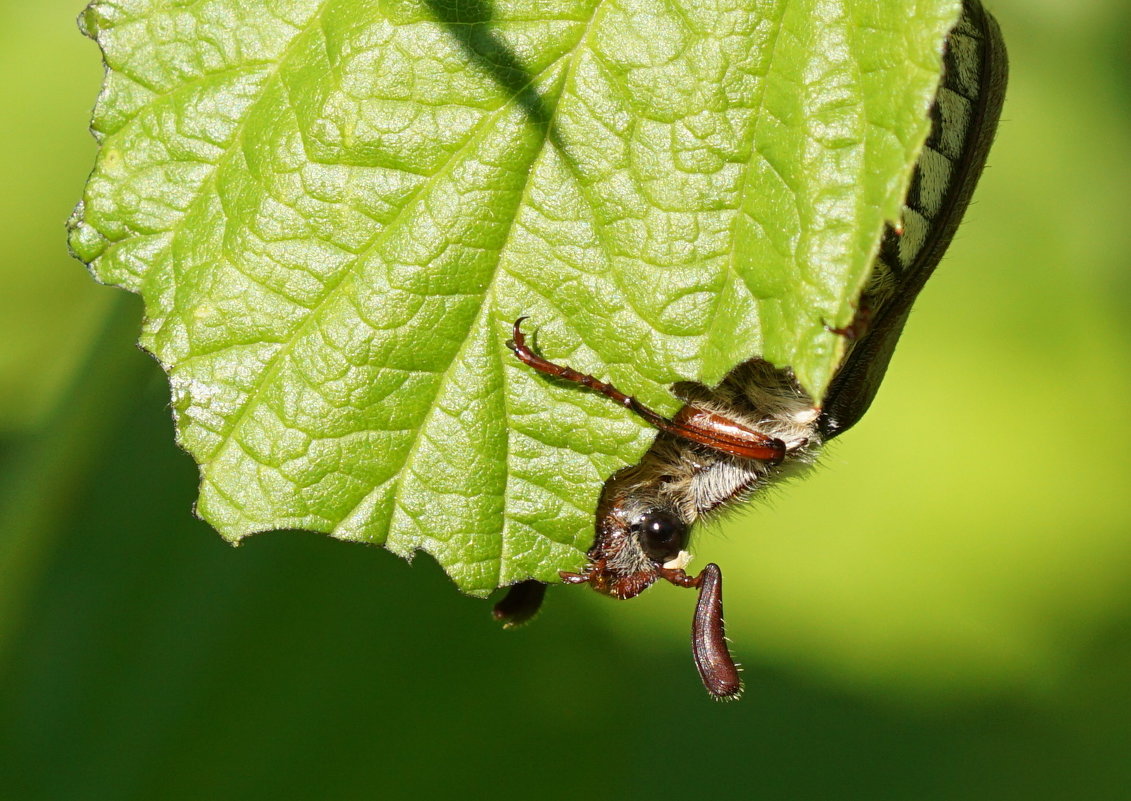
<point>759,426</point>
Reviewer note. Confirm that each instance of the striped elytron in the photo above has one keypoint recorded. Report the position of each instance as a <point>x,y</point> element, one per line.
<point>758,425</point>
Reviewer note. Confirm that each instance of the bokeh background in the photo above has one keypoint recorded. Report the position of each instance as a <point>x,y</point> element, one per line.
<point>943,611</point>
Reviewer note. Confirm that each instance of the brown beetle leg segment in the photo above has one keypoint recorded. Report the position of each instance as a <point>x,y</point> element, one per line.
<point>858,327</point>
<point>694,424</point>
<point>726,435</point>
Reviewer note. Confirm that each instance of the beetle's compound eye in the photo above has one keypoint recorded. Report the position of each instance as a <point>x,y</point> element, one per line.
<point>662,535</point>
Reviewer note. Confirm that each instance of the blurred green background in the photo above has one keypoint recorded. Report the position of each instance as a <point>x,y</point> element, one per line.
<point>943,611</point>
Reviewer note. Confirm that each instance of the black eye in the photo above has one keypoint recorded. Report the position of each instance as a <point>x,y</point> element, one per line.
<point>662,535</point>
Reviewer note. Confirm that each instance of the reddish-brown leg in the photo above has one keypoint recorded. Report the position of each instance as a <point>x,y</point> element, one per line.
<point>859,326</point>
<point>705,428</point>
<point>532,359</point>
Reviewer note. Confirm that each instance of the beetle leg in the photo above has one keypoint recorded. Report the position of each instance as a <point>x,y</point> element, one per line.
<point>695,425</point>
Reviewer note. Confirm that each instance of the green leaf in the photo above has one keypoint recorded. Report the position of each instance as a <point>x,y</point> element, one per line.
<point>335,210</point>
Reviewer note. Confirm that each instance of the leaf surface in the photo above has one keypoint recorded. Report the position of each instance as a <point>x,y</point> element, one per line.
<point>334,211</point>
